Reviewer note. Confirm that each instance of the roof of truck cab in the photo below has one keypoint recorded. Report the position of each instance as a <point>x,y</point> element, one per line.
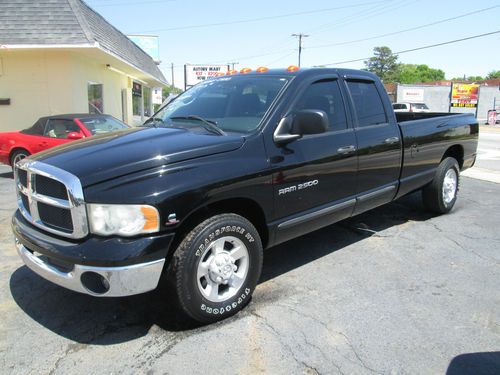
<point>309,72</point>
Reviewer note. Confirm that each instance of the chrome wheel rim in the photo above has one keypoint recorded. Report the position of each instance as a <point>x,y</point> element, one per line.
<point>18,158</point>
<point>450,186</point>
<point>222,269</point>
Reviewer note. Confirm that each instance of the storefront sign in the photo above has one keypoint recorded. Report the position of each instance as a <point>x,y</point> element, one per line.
<point>196,73</point>
<point>157,96</point>
<point>464,95</point>
<point>413,95</point>
<point>137,89</point>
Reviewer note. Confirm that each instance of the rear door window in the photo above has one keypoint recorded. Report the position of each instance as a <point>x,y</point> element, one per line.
<point>367,103</point>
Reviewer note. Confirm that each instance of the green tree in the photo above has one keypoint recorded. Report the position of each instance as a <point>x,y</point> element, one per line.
<point>412,73</point>
<point>475,78</point>
<point>384,64</point>
<point>494,74</point>
<point>167,90</point>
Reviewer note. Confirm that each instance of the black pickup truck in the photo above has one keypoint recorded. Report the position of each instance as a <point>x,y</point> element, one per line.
<point>234,165</point>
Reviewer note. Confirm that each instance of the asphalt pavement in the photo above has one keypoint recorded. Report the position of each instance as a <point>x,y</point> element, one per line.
<point>396,290</point>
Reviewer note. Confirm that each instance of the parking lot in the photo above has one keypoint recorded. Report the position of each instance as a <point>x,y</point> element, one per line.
<point>393,291</point>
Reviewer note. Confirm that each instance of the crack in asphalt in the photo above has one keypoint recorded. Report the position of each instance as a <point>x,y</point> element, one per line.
<point>325,325</point>
<point>283,344</point>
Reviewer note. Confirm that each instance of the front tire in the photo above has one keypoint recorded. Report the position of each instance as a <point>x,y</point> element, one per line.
<point>441,194</point>
<point>217,267</point>
<point>17,156</point>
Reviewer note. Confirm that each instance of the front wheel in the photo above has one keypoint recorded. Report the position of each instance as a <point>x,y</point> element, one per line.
<point>18,156</point>
<point>217,267</point>
<point>441,194</point>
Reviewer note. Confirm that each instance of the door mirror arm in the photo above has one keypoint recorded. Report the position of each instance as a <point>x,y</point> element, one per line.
<point>282,135</point>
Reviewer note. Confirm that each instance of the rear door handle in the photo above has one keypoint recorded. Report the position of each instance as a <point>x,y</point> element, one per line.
<point>346,149</point>
<point>392,140</point>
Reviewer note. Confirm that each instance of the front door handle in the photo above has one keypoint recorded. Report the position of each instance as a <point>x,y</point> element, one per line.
<point>392,140</point>
<point>346,149</point>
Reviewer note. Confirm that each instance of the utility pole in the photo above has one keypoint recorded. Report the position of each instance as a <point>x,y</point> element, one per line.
<point>172,67</point>
<point>232,64</point>
<point>300,36</point>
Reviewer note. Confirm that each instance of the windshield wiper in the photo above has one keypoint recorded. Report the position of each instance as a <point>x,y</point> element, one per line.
<point>207,124</point>
<point>153,121</point>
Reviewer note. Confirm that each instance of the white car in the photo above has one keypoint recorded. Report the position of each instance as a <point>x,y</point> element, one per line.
<point>410,107</point>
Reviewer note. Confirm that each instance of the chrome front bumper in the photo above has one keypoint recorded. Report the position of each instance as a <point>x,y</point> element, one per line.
<point>116,281</point>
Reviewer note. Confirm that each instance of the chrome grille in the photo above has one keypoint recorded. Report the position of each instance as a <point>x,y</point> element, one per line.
<point>51,199</point>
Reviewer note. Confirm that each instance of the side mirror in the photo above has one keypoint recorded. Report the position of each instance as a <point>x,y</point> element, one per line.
<point>310,121</point>
<point>74,135</point>
<point>306,121</point>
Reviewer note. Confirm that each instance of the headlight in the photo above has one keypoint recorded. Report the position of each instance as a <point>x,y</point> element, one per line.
<point>123,220</point>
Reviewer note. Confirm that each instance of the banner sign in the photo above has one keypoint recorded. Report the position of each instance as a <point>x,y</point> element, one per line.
<point>194,74</point>
<point>464,95</point>
<point>137,89</point>
<point>413,95</point>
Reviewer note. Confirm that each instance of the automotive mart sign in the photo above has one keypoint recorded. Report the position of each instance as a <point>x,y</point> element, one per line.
<point>194,74</point>
<point>464,95</point>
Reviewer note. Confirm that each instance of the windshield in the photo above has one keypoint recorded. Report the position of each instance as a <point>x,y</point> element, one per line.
<point>233,104</point>
<point>101,125</point>
<point>419,106</point>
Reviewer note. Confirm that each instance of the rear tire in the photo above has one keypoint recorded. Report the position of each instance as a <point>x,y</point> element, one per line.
<point>216,267</point>
<point>441,194</point>
<point>17,156</point>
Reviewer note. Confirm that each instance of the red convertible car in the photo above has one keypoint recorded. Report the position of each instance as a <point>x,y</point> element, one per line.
<point>52,131</point>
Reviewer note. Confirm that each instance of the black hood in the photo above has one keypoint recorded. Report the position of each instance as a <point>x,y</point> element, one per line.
<point>101,158</point>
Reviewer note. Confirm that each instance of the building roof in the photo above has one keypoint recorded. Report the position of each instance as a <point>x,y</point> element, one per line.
<point>68,23</point>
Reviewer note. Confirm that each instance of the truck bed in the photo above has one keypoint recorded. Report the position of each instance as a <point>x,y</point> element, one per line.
<point>409,116</point>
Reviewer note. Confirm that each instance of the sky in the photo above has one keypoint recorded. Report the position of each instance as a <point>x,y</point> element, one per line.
<point>259,33</point>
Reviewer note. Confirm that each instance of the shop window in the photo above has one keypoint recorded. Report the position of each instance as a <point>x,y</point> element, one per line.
<point>96,105</point>
<point>137,99</point>
<point>146,91</point>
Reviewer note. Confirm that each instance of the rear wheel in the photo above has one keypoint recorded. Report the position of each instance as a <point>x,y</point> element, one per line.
<point>18,155</point>
<point>441,194</point>
<point>217,266</point>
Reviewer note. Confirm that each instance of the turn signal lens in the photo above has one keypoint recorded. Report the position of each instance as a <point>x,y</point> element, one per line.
<point>231,72</point>
<point>262,69</point>
<point>245,70</point>
<point>152,223</point>
<point>292,68</point>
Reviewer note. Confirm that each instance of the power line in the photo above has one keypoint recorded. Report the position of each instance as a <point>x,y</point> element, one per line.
<point>405,30</point>
<point>416,49</point>
<point>353,16</point>
<point>262,18</point>
<point>366,14</point>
